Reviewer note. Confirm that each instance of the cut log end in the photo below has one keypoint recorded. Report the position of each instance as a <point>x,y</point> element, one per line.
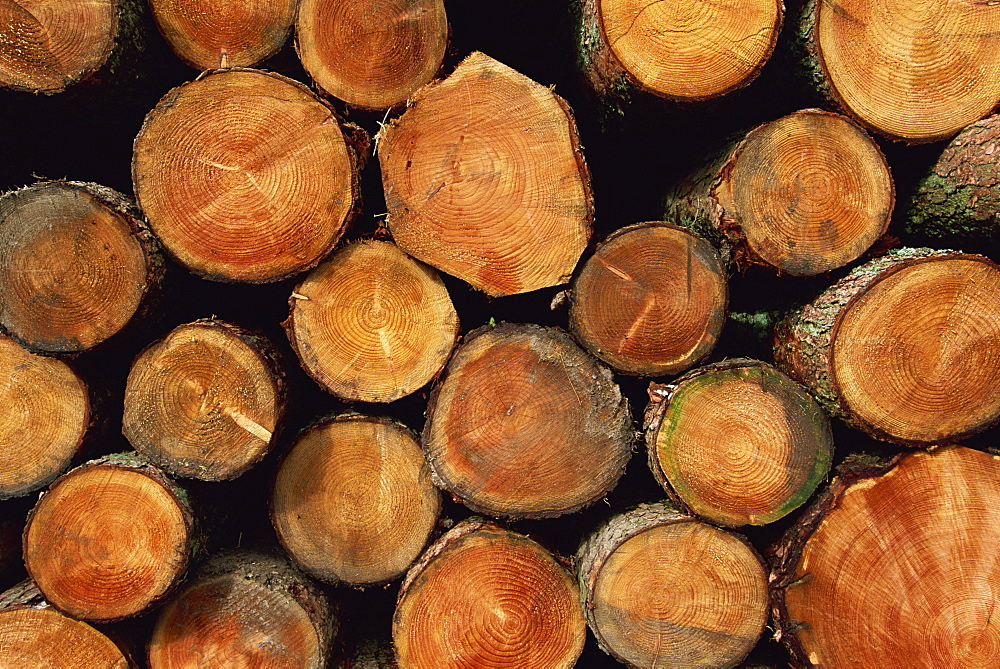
<point>43,637</point>
<point>372,54</point>
<point>487,597</point>
<point>651,300</point>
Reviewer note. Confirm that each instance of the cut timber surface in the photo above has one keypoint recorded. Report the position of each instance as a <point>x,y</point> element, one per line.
<point>353,501</point>
<point>371,53</point>
<point>525,424</point>
<point>207,34</point>
<point>661,589</point>
<point>905,347</point>
<point>204,401</point>
<point>802,195</point>
<point>912,71</point>
<point>45,417</point>
<point>961,195</point>
<point>33,634</point>
<point>896,568</point>
<point>651,300</point>
<point>371,323</point>
<point>248,610</point>
<point>738,442</point>
<point>76,263</point>
<point>108,539</point>
<point>683,50</point>
<point>245,176</point>
<point>484,180</point>
<point>483,596</point>
<point>46,45</point>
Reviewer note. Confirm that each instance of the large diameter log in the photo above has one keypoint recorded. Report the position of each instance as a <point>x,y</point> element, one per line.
<point>737,442</point>
<point>371,323</point>
<point>961,194</point>
<point>903,348</point>
<point>483,596</point>
<point>525,424</point>
<point>651,300</point>
<point>896,568</point>
<point>801,195</point>
<point>109,539</point>
<point>33,634</point>
<point>46,45</point>
<point>245,176</point>
<point>245,609</point>
<point>484,180</point>
<point>680,50</point>
<point>371,53</point>
<point>46,415</point>
<point>913,72</point>
<point>76,264</point>
<point>353,501</point>
<point>661,589</point>
<point>238,33</point>
<point>205,400</point>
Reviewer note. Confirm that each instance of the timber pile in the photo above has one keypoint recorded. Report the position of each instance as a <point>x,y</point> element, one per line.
<point>272,338</point>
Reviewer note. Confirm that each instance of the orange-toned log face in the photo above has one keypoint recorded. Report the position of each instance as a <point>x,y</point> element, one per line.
<point>105,542</point>
<point>244,176</point>
<point>372,53</point>
<point>72,273</point>
<point>32,637</point>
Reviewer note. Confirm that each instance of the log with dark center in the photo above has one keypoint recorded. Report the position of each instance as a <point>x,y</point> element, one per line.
<point>46,45</point>
<point>76,263</point>
<point>371,323</point>
<point>245,609</point>
<point>484,180</point>
<point>525,424</point>
<point>208,34</point>
<point>737,442</point>
<point>371,53</point>
<point>896,566</point>
<point>661,589</point>
<point>483,596</point>
<point>651,300</point>
<point>108,539</point>
<point>904,347</point>
<point>245,176</point>
<point>913,72</point>
<point>205,400</point>
<point>46,415</point>
<point>353,501</point>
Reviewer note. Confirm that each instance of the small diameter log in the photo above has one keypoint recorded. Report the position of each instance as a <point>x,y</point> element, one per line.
<point>108,539</point>
<point>483,596</point>
<point>46,415</point>
<point>661,589</point>
<point>240,33</point>
<point>651,300</point>
<point>903,348</point>
<point>896,567</point>
<point>484,180</point>
<point>802,195</point>
<point>46,45</point>
<point>371,53</point>
<point>915,73</point>
<point>680,50</point>
<point>371,323</point>
<point>76,262</point>
<point>33,634</point>
<point>353,501</point>
<point>525,424</point>
<point>737,442</point>
<point>245,176</point>
<point>961,195</point>
<point>204,401</point>
<point>245,609</point>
